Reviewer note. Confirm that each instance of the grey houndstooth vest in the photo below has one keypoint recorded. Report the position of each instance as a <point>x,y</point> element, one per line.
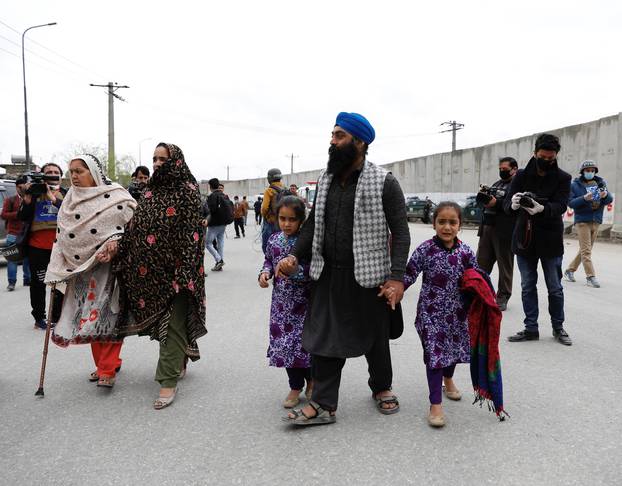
<point>372,264</point>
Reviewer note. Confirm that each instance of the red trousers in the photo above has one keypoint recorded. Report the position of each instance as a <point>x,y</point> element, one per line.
<point>106,357</point>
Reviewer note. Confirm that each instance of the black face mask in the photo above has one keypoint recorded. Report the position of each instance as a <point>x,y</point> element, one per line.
<point>505,174</point>
<point>545,165</point>
<point>340,159</point>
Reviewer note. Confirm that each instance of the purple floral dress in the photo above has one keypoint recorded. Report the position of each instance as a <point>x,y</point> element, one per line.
<point>441,312</point>
<point>288,308</point>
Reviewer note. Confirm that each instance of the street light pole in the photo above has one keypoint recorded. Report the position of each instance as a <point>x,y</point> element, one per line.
<point>25,102</point>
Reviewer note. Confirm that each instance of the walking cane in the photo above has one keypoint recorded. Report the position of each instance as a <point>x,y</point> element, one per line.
<point>39,392</point>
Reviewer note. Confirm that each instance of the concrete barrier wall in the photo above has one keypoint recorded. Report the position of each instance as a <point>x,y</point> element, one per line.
<point>461,172</point>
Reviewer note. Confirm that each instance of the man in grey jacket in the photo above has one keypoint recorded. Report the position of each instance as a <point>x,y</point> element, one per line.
<point>357,240</point>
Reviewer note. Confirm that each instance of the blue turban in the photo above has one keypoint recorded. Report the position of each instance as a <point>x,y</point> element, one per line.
<point>356,125</point>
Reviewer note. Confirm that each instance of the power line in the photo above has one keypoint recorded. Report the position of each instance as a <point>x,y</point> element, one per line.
<point>9,52</point>
<point>90,71</point>
<point>34,63</point>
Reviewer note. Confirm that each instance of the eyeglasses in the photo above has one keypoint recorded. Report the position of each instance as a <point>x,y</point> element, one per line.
<point>159,159</point>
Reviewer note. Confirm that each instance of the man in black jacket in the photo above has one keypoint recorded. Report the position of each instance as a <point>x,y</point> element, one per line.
<point>539,196</point>
<point>495,235</point>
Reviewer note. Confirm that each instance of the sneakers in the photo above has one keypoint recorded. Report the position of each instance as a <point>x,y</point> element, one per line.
<point>569,276</point>
<point>11,287</point>
<point>562,337</point>
<point>218,266</point>
<point>236,237</point>
<point>524,336</point>
<point>592,282</point>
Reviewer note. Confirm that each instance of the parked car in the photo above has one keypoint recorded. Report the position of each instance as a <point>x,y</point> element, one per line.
<point>419,209</point>
<point>7,189</point>
<point>472,211</point>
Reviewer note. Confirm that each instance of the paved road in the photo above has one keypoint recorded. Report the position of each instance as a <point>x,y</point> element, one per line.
<point>225,427</point>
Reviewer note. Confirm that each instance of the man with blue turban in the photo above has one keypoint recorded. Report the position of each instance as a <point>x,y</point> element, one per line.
<point>357,240</point>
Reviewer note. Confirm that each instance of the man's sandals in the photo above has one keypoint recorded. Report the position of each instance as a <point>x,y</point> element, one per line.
<point>388,399</point>
<point>321,416</point>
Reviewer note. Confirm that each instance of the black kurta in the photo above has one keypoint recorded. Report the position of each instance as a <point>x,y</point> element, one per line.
<point>344,319</point>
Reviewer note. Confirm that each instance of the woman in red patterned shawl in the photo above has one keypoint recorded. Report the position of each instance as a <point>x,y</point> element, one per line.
<point>159,266</point>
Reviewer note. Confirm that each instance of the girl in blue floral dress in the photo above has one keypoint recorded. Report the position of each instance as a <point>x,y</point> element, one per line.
<point>289,302</point>
<point>441,312</point>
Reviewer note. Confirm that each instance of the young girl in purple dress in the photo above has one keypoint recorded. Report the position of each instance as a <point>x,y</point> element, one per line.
<point>289,302</point>
<point>441,312</point>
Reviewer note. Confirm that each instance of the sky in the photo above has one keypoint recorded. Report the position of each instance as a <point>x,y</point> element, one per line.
<point>245,84</point>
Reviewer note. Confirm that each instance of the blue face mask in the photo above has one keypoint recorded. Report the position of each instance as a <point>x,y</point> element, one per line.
<point>588,176</point>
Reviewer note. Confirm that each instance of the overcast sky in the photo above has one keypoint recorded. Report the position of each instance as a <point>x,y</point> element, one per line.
<point>243,83</point>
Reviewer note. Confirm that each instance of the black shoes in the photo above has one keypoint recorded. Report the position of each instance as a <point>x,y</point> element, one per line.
<point>218,266</point>
<point>11,287</point>
<point>524,336</point>
<point>502,306</point>
<point>562,337</point>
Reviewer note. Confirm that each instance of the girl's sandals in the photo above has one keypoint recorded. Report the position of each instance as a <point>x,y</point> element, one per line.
<point>163,402</point>
<point>291,402</point>
<point>436,421</point>
<point>452,395</point>
<point>388,399</point>
<point>321,416</point>
<point>106,381</point>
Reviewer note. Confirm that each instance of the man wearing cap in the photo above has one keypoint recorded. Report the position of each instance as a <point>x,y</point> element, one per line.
<point>268,206</point>
<point>588,197</point>
<point>357,240</point>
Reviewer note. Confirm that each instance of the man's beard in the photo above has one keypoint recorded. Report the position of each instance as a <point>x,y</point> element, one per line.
<point>341,159</point>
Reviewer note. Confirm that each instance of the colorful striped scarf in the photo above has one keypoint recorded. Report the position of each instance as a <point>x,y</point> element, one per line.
<point>484,328</point>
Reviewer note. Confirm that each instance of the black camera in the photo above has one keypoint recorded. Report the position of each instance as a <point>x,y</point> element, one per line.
<point>486,193</point>
<point>39,183</point>
<point>528,198</point>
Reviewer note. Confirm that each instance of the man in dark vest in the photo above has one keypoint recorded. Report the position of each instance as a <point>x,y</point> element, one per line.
<point>357,240</point>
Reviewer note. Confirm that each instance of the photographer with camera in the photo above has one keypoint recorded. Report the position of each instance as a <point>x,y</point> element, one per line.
<point>539,196</point>
<point>43,196</point>
<point>589,197</point>
<point>495,231</point>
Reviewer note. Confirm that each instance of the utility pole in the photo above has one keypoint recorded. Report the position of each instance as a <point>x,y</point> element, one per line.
<point>291,157</point>
<point>227,172</point>
<point>455,126</point>
<point>112,87</point>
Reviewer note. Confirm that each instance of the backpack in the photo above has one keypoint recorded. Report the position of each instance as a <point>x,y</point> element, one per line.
<point>224,210</point>
<point>281,192</point>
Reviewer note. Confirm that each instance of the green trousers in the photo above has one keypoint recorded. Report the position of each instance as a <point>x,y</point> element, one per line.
<point>173,352</point>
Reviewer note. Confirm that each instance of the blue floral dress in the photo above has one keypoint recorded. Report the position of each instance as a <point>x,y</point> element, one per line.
<point>441,311</point>
<point>288,308</point>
